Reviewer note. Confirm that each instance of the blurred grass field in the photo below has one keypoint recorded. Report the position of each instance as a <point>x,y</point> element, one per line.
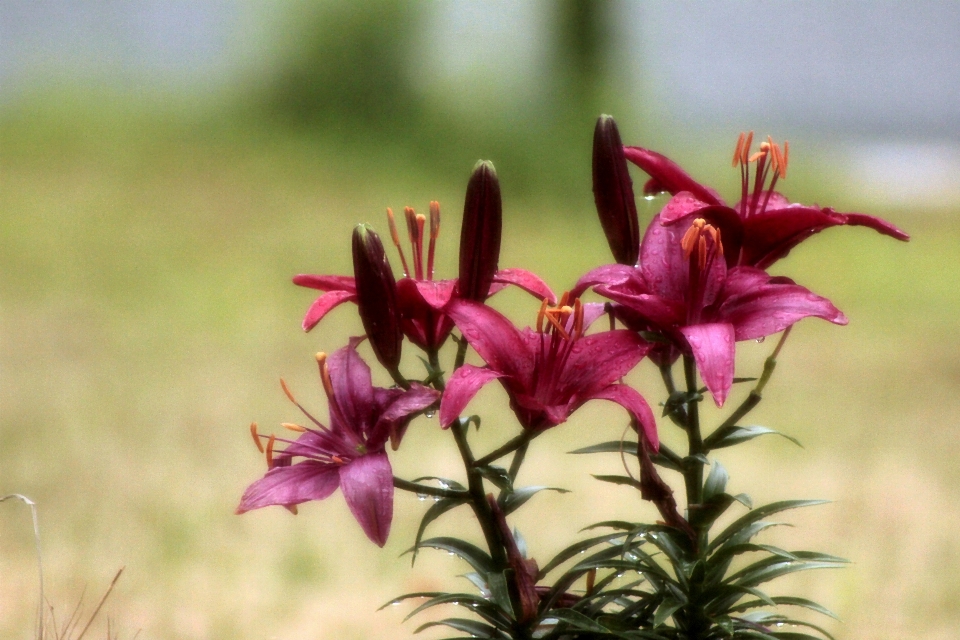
<point>146,315</point>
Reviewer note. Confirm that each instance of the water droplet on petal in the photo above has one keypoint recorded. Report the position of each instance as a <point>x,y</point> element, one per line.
<point>421,497</point>
<point>649,197</point>
<point>761,339</point>
<point>430,413</point>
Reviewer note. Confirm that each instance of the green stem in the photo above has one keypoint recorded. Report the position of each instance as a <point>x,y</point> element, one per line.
<point>509,447</point>
<point>438,381</point>
<point>478,499</point>
<point>422,490</point>
<point>693,469</point>
<point>518,460</point>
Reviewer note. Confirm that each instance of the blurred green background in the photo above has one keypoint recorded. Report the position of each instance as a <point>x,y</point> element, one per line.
<point>157,193</point>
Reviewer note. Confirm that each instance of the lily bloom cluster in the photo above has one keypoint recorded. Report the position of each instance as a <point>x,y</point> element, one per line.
<point>694,285</point>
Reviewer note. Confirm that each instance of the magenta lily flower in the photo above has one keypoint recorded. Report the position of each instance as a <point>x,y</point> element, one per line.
<point>684,290</point>
<point>764,226</point>
<point>548,372</point>
<point>350,453</point>
<point>420,298</point>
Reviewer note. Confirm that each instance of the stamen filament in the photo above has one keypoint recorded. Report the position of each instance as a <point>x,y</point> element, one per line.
<point>412,233</point>
<point>434,234</point>
<point>396,241</point>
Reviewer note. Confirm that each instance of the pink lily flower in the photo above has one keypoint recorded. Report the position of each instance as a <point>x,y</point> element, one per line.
<point>684,290</point>
<point>350,453</point>
<point>548,372</point>
<point>764,226</point>
<point>420,298</point>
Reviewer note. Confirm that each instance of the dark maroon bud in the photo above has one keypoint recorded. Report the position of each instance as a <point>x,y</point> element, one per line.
<point>480,233</point>
<point>613,193</point>
<point>377,296</point>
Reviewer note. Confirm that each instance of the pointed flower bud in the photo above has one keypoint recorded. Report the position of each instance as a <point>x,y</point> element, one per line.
<point>613,193</point>
<point>480,233</point>
<point>377,296</point>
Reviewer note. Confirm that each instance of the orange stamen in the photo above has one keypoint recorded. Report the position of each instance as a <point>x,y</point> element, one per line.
<point>745,152</point>
<point>550,316</point>
<point>786,158</point>
<point>738,152</point>
<point>324,373</point>
<point>434,234</point>
<point>286,390</point>
<point>256,436</point>
<point>540,315</point>
<point>395,236</point>
<point>269,451</point>
<point>689,240</point>
<point>337,459</point>
<point>293,427</point>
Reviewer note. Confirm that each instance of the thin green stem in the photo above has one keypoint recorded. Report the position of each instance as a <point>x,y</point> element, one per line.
<point>693,468</point>
<point>509,447</point>
<point>517,461</point>
<point>478,499</point>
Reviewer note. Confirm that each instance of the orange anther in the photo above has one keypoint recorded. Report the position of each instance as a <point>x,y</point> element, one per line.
<point>745,151</point>
<point>286,390</point>
<point>786,159</point>
<point>738,152</point>
<point>269,451</point>
<point>324,373</point>
<point>256,436</point>
<point>550,315</point>
<point>393,227</point>
<point>337,459</point>
<point>293,427</point>
<point>434,220</point>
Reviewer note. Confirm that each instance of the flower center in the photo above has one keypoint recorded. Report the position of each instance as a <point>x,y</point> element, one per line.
<point>415,225</point>
<point>559,327</point>
<point>770,162</point>
<point>701,247</point>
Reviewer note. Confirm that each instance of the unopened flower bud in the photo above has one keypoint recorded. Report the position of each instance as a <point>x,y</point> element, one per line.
<point>377,296</point>
<point>613,193</point>
<point>480,233</point>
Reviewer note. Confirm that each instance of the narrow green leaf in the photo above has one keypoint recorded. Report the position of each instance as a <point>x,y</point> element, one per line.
<point>765,574</point>
<point>436,510</point>
<point>788,600</point>
<point>759,513</point>
<point>445,482</point>
<point>574,550</point>
<point>667,608</point>
<point>477,558</point>
<point>613,446</point>
<point>500,592</point>
<point>737,434</point>
<point>462,599</point>
<point>623,480</point>
<point>473,627</point>
<point>578,621</point>
<point>513,500</point>
<point>497,475</point>
<point>408,596</point>
<point>716,482</point>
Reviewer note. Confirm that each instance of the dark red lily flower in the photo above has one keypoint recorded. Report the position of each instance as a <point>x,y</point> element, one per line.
<point>763,227</point>
<point>420,298</point>
<point>684,290</point>
<point>548,372</point>
<point>350,453</point>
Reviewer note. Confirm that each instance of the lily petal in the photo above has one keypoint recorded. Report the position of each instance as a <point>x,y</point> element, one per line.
<point>492,336</point>
<point>526,280</point>
<point>367,484</point>
<point>771,235</point>
<point>462,386</point>
<point>877,224</point>
<point>757,306</point>
<point>352,405</point>
<point>631,400</point>
<point>436,293</point>
<point>664,267</point>
<point>291,485</point>
<point>597,360</point>
<point>666,175</point>
<point>326,283</point>
<point>714,350</point>
<point>608,274</point>
<point>324,304</point>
